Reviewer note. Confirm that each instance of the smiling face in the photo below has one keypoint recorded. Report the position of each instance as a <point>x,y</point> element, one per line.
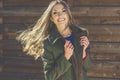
<point>60,17</point>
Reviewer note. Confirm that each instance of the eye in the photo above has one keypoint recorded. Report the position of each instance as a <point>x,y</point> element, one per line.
<point>64,10</point>
<point>54,13</point>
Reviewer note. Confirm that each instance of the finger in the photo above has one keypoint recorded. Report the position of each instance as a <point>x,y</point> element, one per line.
<point>70,46</point>
<point>66,43</point>
<point>84,41</point>
<point>83,37</point>
<point>84,44</point>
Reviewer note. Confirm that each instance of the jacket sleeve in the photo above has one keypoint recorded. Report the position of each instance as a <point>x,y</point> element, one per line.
<point>53,68</point>
<point>87,61</point>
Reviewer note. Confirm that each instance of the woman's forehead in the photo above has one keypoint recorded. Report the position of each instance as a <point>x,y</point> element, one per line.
<point>58,7</point>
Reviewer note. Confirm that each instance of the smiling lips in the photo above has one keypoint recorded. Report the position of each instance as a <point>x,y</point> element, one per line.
<point>61,20</point>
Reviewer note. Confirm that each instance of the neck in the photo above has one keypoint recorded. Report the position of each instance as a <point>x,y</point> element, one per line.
<point>66,32</point>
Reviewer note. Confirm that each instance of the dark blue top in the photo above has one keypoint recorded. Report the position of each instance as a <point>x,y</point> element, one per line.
<point>70,38</point>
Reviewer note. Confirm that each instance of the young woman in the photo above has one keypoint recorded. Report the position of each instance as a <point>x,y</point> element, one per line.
<point>61,44</point>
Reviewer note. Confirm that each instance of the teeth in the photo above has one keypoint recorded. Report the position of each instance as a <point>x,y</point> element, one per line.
<point>61,20</point>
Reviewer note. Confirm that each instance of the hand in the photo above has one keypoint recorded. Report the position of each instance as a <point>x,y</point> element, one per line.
<point>84,42</point>
<point>68,47</point>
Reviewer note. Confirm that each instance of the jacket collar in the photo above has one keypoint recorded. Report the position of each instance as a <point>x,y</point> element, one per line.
<point>55,35</point>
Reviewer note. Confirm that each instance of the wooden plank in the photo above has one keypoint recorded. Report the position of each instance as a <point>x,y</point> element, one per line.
<point>22,62</point>
<point>15,44</point>
<point>97,20</point>
<point>1,30</point>
<point>95,3</point>
<point>104,33</point>
<point>105,65</point>
<point>102,78</point>
<point>20,19</point>
<point>20,76</point>
<point>1,37</point>
<point>96,11</point>
<point>9,3</point>
<point>1,19</point>
<point>28,69</point>
<point>1,3</point>
<point>105,73</point>
<point>105,47</point>
<point>10,35</point>
<point>1,67</point>
<point>105,38</point>
<point>15,53</point>
<point>1,46</point>
<point>105,70</point>
<point>1,62</point>
<point>13,28</point>
<point>79,19</point>
<point>72,2</point>
<point>82,11</point>
<point>23,11</point>
<point>103,29</point>
<point>105,56</point>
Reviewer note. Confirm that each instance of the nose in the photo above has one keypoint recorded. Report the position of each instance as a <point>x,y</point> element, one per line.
<point>59,13</point>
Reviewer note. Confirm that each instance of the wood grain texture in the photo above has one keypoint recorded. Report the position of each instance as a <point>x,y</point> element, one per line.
<point>106,56</point>
<point>106,47</point>
<point>1,4</point>
<point>105,73</point>
<point>1,20</point>
<point>95,2</point>
<point>20,19</point>
<point>76,11</point>
<point>96,11</point>
<point>102,78</point>
<point>88,20</point>
<point>84,20</point>
<point>20,76</point>
<point>9,3</point>
<point>100,17</point>
<point>105,69</point>
<point>104,33</point>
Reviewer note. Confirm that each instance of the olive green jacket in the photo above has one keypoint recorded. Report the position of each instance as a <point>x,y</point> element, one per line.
<point>56,67</point>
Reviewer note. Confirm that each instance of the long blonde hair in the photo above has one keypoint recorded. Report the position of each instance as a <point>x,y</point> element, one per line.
<point>32,38</point>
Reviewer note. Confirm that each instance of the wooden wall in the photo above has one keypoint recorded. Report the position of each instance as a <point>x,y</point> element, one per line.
<point>100,17</point>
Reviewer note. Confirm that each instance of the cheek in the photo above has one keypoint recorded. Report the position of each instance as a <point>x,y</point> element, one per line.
<point>54,19</point>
